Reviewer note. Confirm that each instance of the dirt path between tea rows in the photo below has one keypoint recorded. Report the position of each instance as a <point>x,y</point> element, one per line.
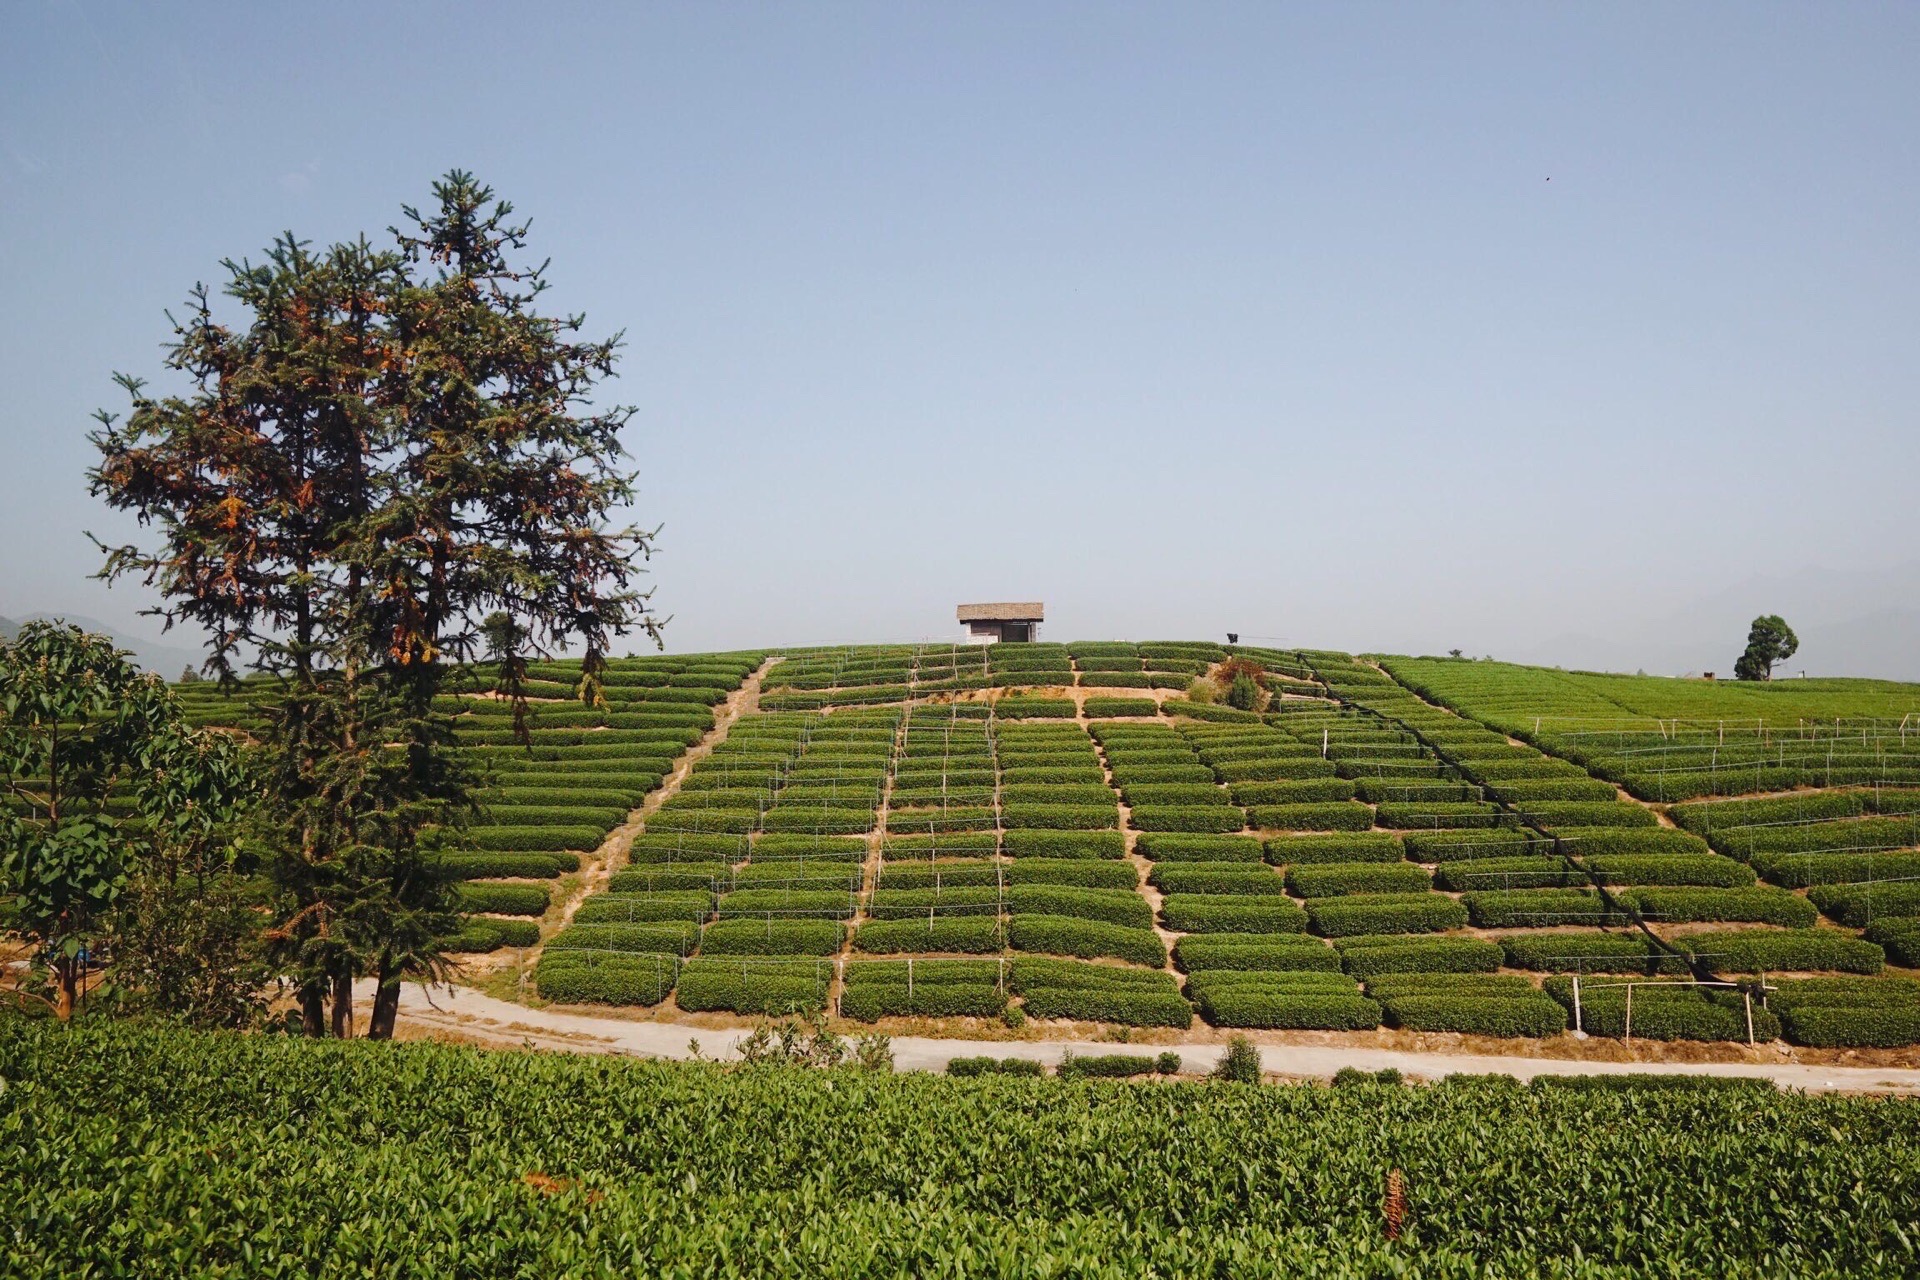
<point>464,1013</point>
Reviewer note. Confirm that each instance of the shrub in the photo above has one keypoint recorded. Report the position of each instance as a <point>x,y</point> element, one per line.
<point>1181,847</point>
<point>573,977</point>
<point>1102,708</point>
<point>1192,817</point>
<point>1900,936</point>
<point>1086,873</point>
<point>1439,817</point>
<point>657,877</point>
<point>504,899</point>
<point>569,815</point>
<point>1362,846</point>
<point>871,1001</point>
<point>1114,906</point>
<point>1665,1012</point>
<point>1110,1066</point>
<point>1704,870</point>
<point>1277,767</point>
<point>788,903</point>
<point>1058,793</point>
<point>1128,774</point>
<point>949,900</point>
<point>1175,794</point>
<point>533,839</point>
<point>1216,877</point>
<point>1020,708</point>
<point>1334,878</point>
<point>1799,871</point>
<point>1203,952</point>
<point>1095,1004</point>
<point>1196,710</point>
<point>1344,816</point>
<point>655,937</point>
<point>1069,936</point>
<point>1062,817</point>
<point>1520,791</point>
<point>1533,908</point>
<point>1229,913</point>
<point>1576,813</point>
<point>658,847</point>
<point>1460,846</point>
<point>1859,905</point>
<point>482,866</point>
<point>1593,842</point>
<point>1762,905</point>
<point>1064,844</point>
<point>1307,791</point>
<point>984,1066</point>
<point>1511,873</point>
<point>479,936</point>
<point>1858,1013</point>
<point>1393,986</point>
<point>1774,951</point>
<point>1533,1015</point>
<point>1412,791</point>
<point>1252,1006</point>
<point>1856,834</point>
<point>762,986</point>
<point>1240,1064</point>
<point>817,875</point>
<point>1349,1077</point>
<point>1385,913</point>
<point>954,844</point>
<point>645,908</point>
<point>750,937</point>
<point>701,822</point>
<point>1589,953</point>
<point>972,935</point>
<point>1366,956</point>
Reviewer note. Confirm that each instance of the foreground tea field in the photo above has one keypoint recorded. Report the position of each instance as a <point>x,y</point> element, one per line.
<point>134,1151</point>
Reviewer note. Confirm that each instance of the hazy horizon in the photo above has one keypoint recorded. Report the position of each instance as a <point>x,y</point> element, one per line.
<point>1566,336</point>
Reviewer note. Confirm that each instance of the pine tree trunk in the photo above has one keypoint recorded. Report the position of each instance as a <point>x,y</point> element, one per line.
<point>343,1003</point>
<point>386,1003</point>
<point>313,1010</point>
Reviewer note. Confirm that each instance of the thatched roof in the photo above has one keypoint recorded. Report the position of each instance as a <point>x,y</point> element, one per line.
<point>1005,611</point>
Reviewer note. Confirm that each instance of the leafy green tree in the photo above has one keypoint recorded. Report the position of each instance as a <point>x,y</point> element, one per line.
<point>1770,642</point>
<point>398,447</point>
<point>81,731</point>
<point>502,635</point>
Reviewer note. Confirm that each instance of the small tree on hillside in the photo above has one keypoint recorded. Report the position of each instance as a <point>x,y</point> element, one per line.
<point>1243,683</point>
<point>1770,642</point>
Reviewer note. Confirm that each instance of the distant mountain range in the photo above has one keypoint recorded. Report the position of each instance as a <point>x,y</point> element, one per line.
<point>1850,622</point>
<point>164,659</point>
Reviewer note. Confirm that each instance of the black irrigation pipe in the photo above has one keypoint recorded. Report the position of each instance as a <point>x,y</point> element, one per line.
<point>1700,971</point>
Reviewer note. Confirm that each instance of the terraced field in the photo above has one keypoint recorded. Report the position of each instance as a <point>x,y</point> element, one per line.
<point>1074,834</point>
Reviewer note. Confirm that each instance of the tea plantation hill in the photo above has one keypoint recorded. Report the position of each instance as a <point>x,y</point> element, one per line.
<point>1082,833</point>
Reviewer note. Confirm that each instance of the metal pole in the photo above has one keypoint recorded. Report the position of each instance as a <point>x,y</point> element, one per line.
<point>1578,1029</point>
<point>1629,1013</point>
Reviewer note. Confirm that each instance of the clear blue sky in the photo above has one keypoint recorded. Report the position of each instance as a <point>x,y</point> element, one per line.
<point>1514,327</point>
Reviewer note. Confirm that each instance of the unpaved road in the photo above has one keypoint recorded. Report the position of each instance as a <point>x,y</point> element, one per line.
<point>467,1013</point>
